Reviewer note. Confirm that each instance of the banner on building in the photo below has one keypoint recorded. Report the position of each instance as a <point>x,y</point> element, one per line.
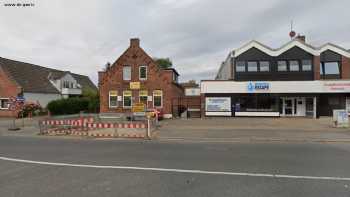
<point>218,104</point>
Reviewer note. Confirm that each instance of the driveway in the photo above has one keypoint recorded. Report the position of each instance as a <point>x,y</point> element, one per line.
<point>254,129</point>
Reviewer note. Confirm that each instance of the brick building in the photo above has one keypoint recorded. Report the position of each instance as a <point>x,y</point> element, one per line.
<point>136,78</point>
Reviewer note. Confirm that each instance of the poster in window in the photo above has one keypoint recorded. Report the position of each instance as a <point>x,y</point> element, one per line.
<point>218,104</point>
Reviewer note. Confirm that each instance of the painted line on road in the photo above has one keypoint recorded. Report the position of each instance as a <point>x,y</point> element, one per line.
<point>177,170</point>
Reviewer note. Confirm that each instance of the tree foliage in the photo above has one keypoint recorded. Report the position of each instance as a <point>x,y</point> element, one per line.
<point>163,63</point>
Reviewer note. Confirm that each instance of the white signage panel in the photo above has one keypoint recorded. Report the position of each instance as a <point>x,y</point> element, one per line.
<point>340,86</point>
<point>218,104</point>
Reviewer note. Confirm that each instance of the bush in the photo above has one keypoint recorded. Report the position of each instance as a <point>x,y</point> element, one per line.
<point>68,106</point>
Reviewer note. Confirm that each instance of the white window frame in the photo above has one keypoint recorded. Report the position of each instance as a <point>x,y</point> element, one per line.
<point>8,106</point>
<point>256,66</point>
<point>109,100</point>
<point>143,66</point>
<point>161,100</point>
<point>290,65</point>
<point>285,66</point>
<point>143,96</point>
<point>129,79</point>
<point>127,107</point>
<point>303,64</point>
<point>268,66</point>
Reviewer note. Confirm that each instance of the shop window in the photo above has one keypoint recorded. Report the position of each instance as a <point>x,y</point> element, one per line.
<point>157,98</point>
<point>143,96</point>
<point>4,103</point>
<point>240,66</point>
<point>293,65</point>
<point>252,66</point>
<point>113,99</point>
<point>306,65</point>
<point>282,66</point>
<point>334,100</point>
<point>258,103</point>
<point>127,73</point>
<point>143,72</point>
<point>264,66</point>
<point>127,99</point>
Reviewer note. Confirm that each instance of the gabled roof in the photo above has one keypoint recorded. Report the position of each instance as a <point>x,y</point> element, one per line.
<point>34,78</point>
<point>295,42</point>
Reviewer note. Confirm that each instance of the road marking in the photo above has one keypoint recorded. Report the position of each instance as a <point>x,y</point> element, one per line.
<point>178,170</point>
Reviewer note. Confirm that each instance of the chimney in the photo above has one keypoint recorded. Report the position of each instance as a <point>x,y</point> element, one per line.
<point>301,37</point>
<point>134,42</point>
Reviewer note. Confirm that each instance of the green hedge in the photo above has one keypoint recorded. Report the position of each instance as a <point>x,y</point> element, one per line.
<point>69,106</point>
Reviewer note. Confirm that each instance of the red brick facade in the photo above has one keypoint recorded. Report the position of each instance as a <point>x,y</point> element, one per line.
<point>157,79</point>
<point>317,68</point>
<point>8,88</point>
<point>345,70</point>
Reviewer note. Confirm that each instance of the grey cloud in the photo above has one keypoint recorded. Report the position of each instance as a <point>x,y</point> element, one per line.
<point>197,35</point>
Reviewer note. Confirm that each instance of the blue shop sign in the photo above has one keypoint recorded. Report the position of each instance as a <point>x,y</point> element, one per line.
<point>258,86</point>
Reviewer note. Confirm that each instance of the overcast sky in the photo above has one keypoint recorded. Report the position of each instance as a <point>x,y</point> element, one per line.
<point>82,35</point>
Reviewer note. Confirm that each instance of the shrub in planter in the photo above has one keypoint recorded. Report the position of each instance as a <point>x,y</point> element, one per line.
<point>30,108</point>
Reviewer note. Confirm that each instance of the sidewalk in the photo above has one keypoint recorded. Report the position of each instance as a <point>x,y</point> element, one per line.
<point>254,129</point>
<point>31,127</point>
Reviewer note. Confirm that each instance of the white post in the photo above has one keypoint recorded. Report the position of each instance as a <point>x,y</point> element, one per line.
<point>283,106</point>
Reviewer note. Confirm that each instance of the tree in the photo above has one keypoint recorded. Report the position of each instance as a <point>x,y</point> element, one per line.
<point>192,81</point>
<point>163,63</point>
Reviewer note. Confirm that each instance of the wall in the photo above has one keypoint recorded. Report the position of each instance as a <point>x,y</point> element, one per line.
<point>8,88</point>
<point>192,91</point>
<point>42,98</point>
<point>225,71</point>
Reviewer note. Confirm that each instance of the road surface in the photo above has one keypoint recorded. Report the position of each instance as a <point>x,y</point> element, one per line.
<point>52,166</point>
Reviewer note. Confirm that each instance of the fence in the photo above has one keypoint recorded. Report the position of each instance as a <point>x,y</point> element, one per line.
<point>93,125</point>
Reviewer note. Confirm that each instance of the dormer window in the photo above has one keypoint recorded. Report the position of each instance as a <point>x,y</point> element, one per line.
<point>252,66</point>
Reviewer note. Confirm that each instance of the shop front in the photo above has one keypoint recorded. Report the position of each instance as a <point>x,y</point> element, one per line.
<point>275,98</point>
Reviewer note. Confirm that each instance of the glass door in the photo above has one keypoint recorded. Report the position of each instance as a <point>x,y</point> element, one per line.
<point>289,106</point>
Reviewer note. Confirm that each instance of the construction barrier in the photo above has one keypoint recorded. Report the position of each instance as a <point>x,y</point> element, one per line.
<point>86,126</point>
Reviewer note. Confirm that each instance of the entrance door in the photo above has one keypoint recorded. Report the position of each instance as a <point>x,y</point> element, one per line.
<point>301,107</point>
<point>289,106</point>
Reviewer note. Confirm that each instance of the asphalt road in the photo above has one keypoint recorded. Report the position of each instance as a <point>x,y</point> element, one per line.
<point>96,168</point>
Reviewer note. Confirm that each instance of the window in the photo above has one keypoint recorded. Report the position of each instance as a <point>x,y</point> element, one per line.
<point>157,98</point>
<point>282,66</point>
<point>113,99</point>
<point>331,68</point>
<point>264,66</point>
<point>306,65</point>
<point>175,77</point>
<point>252,66</point>
<point>127,73</point>
<point>240,67</point>
<point>65,84</point>
<point>143,96</point>
<point>127,102</point>
<point>293,65</point>
<point>143,72</point>
<point>4,103</point>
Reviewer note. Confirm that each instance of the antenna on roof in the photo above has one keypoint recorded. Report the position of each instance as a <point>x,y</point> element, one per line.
<point>292,32</point>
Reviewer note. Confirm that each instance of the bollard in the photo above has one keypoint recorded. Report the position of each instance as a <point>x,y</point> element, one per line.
<point>148,128</point>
